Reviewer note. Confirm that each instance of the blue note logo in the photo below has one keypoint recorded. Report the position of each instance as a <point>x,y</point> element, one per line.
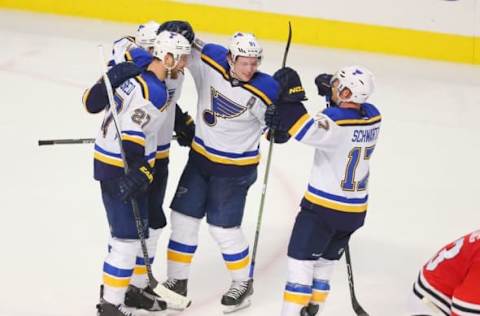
<point>222,107</point>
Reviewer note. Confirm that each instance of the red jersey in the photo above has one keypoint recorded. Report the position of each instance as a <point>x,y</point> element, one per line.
<point>451,279</point>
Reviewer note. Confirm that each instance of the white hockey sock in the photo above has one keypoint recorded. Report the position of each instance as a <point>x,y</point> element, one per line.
<point>234,248</point>
<point>118,269</point>
<point>322,273</point>
<point>140,277</point>
<point>182,245</point>
<point>298,290</point>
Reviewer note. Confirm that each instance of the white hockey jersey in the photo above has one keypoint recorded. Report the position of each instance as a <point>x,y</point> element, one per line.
<point>344,140</point>
<point>164,135</point>
<point>143,113</point>
<point>230,116</point>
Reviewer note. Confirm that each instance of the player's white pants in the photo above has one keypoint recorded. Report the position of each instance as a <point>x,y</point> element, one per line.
<point>234,248</point>
<point>140,277</point>
<point>118,269</point>
<point>308,282</point>
<point>182,245</point>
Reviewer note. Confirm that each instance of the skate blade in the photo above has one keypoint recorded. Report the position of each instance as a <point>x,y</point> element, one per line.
<point>174,300</point>
<point>232,309</point>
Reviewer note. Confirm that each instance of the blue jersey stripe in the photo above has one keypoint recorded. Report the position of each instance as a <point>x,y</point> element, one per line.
<point>134,133</point>
<point>252,153</point>
<point>304,130</point>
<point>336,197</point>
<point>163,147</point>
<point>103,151</point>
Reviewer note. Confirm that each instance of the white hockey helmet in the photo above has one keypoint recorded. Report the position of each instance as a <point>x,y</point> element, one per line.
<point>146,34</point>
<point>171,43</point>
<point>358,79</point>
<point>246,45</point>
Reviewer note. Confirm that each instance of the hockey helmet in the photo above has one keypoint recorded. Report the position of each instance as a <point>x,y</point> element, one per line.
<point>146,34</point>
<point>246,45</point>
<point>359,80</point>
<point>171,43</point>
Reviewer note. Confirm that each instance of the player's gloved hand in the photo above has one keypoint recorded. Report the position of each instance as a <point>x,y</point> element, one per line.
<point>122,72</point>
<point>135,182</point>
<point>291,89</point>
<point>272,117</point>
<point>181,27</point>
<point>184,127</point>
<point>280,136</point>
<point>323,84</point>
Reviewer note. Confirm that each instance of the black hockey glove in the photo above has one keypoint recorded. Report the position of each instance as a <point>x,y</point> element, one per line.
<point>184,127</point>
<point>291,89</point>
<point>272,117</point>
<point>280,136</point>
<point>323,85</point>
<point>181,27</point>
<point>119,73</point>
<point>135,182</point>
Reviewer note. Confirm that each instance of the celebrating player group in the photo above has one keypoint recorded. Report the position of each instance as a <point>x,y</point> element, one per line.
<point>237,104</point>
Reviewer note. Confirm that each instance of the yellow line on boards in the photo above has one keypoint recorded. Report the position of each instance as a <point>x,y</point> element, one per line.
<point>312,31</point>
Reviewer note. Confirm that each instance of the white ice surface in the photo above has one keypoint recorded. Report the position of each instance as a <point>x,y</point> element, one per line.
<point>53,231</point>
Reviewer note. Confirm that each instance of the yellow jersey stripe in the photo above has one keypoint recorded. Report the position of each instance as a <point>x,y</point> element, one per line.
<point>296,298</point>
<point>128,56</point>
<point>179,257</point>
<point>84,99</point>
<point>372,120</point>
<point>108,160</point>
<point>215,65</point>
<point>134,139</point>
<point>143,84</point>
<point>162,154</point>
<point>238,264</point>
<point>335,206</point>
<point>298,124</point>
<point>258,93</point>
<point>227,161</point>
<point>114,282</point>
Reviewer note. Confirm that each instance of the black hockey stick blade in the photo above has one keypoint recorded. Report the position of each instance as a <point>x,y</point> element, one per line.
<point>357,308</point>
<point>289,40</point>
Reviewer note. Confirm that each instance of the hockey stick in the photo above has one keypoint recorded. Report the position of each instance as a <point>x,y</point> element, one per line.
<point>136,211</point>
<point>267,169</point>
<point>65,141</point>
<point>70,141</point>
<point>355,304</point>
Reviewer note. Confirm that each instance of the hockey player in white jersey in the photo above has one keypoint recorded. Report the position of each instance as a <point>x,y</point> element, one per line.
<point>138,54</point>
<point>335,202</point>
<point>232,99</point>
<point>145,119</point>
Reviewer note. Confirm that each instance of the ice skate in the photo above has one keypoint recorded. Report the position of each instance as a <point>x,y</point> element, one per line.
<point>177,286</point>
<point>310,310</point>
<point>145,299</point>
<point>174,292</point>
<point>238,296</point>
<point>105,308</point>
